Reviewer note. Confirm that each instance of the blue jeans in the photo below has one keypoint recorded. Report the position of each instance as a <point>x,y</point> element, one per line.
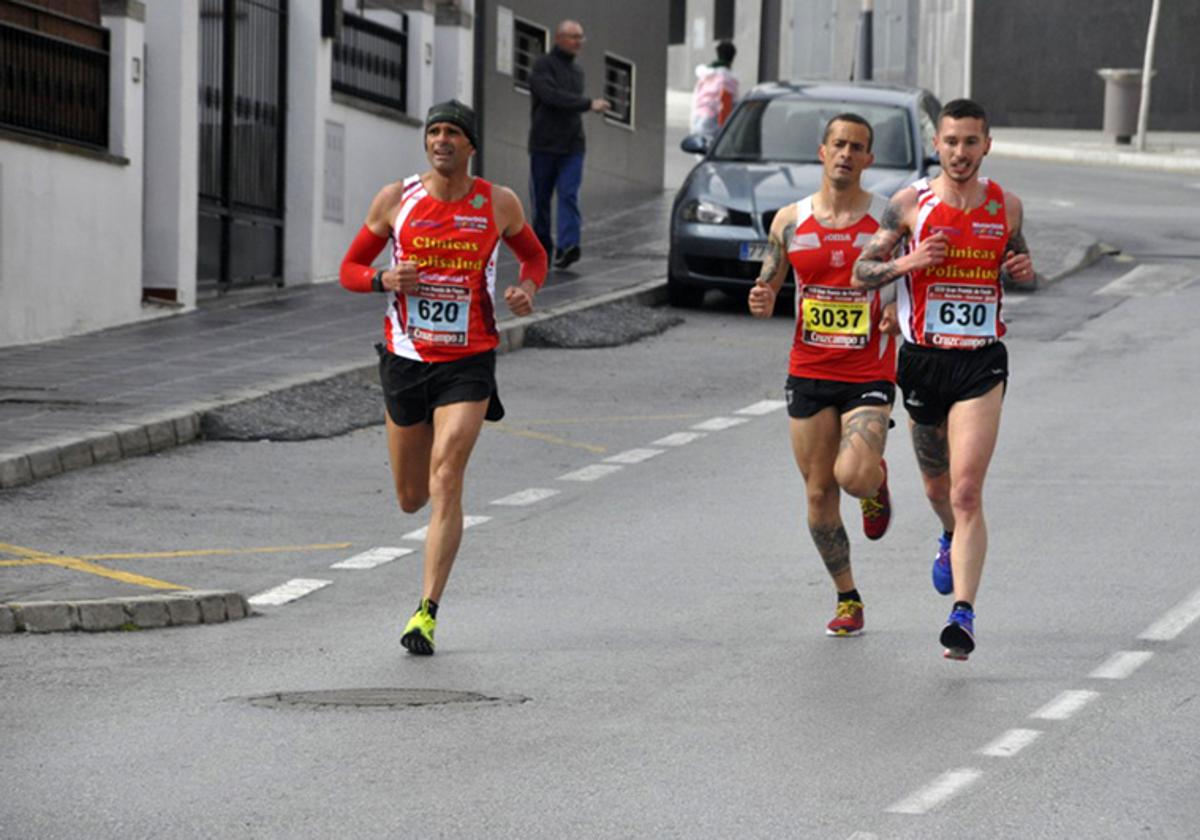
<point>548,173</point>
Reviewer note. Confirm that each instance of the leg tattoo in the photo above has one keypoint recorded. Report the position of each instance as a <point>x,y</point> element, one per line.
<point>933,455</point>
<point>833,546</point>
<point>869,426</point>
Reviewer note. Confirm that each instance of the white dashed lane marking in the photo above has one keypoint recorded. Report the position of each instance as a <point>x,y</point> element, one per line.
<point>285,592</point>
<point>1010,743</point>
<point>633,456</point>
<point>678,439</point>
<point>937,792</point>
<point>717,424</point>
<point>591,472</point>
<point>1121,664</point>
<point>1065,705</point>
<point>1146,280</point>
<point>468,522</point>
<point>760,408</point>
<point>526,497</point>
<point>1176,620</point>
<point>372,558</point>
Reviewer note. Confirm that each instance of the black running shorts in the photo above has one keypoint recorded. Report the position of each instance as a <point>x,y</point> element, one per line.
<point>806,397</point>
<point>933,379</point>
<point>413,389</point>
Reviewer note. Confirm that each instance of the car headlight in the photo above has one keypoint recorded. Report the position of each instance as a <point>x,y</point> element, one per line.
<point>697,210</point>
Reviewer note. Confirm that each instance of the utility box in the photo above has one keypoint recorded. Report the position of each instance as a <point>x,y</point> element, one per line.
<point>1122,96</point>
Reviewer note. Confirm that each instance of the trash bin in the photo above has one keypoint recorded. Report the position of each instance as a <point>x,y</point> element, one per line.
<point>1122,95</point>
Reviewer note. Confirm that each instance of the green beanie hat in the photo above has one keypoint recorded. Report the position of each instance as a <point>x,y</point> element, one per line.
<point>456,113</point>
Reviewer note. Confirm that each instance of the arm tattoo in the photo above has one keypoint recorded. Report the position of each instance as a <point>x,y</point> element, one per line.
<point>933,456</point>
<point>833,546</point>
<point>873,269</point>
<point>770,266</point>
<point>868,426</point>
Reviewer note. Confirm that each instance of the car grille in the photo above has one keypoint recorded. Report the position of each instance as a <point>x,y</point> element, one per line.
<point>767,218</point>
<point>715,267</point>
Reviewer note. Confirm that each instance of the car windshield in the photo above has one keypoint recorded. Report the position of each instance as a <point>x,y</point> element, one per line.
<point>789,129</point>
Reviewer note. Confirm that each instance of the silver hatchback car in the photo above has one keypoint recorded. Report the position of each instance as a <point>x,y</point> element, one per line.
<point>766,157</point>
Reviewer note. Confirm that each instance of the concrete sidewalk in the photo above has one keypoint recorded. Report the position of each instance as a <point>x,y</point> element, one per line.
<point>1166,151</point>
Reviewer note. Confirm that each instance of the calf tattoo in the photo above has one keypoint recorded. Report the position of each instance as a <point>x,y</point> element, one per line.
<point>833,545</point>
<point>933,456</point>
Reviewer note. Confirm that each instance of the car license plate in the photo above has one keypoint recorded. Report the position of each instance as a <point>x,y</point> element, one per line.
<point>754,251</point>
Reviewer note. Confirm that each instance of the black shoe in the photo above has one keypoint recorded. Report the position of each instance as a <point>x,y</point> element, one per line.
<point>565,258</point>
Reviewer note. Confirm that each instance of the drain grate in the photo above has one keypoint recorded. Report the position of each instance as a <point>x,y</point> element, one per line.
<point>379,698</point>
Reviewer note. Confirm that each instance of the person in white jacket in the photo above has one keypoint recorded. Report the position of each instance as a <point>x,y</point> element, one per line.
<point>715,92</point>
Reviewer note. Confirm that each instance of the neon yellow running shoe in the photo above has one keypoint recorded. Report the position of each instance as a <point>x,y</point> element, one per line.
<point>418,633</point>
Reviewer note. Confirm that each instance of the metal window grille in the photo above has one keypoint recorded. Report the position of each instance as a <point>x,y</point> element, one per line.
<point>618,89</point>
<point>370,61</point>
<point>54,88</point>
<point>529,42</point>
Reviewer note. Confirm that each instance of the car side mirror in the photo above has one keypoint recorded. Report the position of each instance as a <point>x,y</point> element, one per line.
<point>696,144</point>
<point>932,160</point>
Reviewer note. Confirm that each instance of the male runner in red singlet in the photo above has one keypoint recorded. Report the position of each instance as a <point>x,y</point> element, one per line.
<point>841,375</point>
<point>437,364</point>
<point>964,237</point>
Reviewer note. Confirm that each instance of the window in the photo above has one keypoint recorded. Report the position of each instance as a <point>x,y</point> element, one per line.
<point>529,42</point>
<point>618,89</point>
<point>370,59</point>
<point>677,28</point>
<point>723,20</point>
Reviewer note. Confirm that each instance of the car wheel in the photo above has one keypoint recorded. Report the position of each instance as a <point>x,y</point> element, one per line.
<point>682,296</point>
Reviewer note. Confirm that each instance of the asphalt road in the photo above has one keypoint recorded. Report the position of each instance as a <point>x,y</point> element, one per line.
<point>652,637</point>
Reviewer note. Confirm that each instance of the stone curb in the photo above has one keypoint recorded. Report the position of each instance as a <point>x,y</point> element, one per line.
<point>143,612</point>
<point>1153,161</point>
<point>167,430</point>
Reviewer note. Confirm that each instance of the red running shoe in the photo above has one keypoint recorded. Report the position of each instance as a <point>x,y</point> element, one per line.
<point>877,511</point>
<point>848,621</point>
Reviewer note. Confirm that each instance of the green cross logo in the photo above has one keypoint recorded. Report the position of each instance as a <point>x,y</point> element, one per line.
<point>478,201</point>
<point>993,207</point>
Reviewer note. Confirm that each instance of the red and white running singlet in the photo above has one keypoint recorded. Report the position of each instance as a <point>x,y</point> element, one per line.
<point>453,312</point>
<point>836,334</point>
<point>956,305</point>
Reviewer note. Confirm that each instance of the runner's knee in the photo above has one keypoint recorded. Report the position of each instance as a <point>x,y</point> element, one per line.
<point>967,496</point>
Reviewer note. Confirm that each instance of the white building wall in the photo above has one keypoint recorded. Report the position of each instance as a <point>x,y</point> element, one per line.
<point>70,223</point>
<point>943,48</point>
<point>701,46</point>
<point>454,54</point>
<point>172,148</point>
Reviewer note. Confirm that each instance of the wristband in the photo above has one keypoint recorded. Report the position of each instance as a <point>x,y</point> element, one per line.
<point>377,282</point>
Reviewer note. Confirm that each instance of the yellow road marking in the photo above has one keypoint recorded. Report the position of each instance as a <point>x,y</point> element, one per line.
<point>617,419</point>
<point>25,562</point>
<point>547,438</point>
<point>208,552</point>
<point>78,565</point>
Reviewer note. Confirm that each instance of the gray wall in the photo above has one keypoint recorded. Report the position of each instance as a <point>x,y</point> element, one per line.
<point>620,163</point>
<point>1035,62</point>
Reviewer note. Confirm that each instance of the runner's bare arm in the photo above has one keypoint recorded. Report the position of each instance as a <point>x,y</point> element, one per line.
<point>1018,264</point>
<point>875,265</point>
<point>775,265</point>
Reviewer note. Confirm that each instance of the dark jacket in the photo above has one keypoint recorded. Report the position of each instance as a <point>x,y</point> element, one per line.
<point>558,103</point>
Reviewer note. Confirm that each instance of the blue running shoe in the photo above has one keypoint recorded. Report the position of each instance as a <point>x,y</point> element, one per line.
<point>958,636</point>
<point>943,576</point>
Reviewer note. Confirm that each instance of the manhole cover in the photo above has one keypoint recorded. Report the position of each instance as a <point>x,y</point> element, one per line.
<point>379,698</point>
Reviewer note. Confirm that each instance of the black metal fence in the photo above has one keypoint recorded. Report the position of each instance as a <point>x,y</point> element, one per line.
<point>54,88</point>
<point>371,61</point>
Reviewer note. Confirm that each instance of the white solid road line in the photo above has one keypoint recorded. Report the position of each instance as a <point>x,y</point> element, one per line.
<point>761,407</point>
<point>1011,743</point>
<point>716,424</point>
<point>591,472</point>
<point>678,439</point>
<point>1121,664</point>
<point>372,558</point>
<point>1175,621</point>
<point>936,792</point>
<point>1065,705</point>
<point>526,497</point>
<point>633,456</point>
<point>468,522</point>
<point>285,592</point>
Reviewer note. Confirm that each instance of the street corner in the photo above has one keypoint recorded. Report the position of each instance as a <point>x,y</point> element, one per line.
<point>141,612</point>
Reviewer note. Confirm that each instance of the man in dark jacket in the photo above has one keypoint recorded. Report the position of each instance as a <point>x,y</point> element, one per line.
<point>556,142</point>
